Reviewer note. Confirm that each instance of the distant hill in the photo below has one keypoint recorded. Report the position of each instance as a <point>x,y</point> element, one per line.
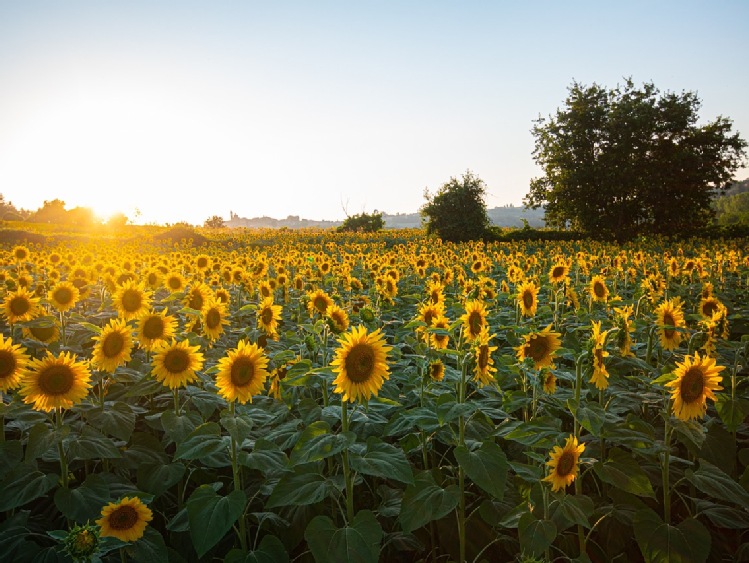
<point>738,188</point>
<point>500,216</point>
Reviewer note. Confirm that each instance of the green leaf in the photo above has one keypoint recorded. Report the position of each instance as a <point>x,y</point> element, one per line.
<point>204,441</point>
<point>712,481</point>
<point>448,409</point>
<point>622,471</point>
<point>299,488</point>
<point>419,418</point>
<point>270,550</point>
<point>425,501</point>
<point>358,542</point>
<point>238,427</point>
<point>688,542</point>
<point>592,417</point>
<point>116,419</point>
<point>382,460</point>
<point>541,432</point>
<point>316,443</point>
<point>150,547</point>
<point>178,428</point>
<point>24,484</point>
<point>11,453</point>
<point>42,438</point>
<point>571,510</point>
<point>84,502</point>
<point>724,516</point>
<point>535,535</point>
<point>731,411</point>
<point>157,478</point>
<point>91,444</point>
<point>486,466</point>
<point>212,516</point>
<point>266,457</point>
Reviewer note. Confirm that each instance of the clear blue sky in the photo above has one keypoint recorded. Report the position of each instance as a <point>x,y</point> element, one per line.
<point>185,110</point>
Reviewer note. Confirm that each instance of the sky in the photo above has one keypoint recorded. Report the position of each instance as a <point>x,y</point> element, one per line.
<point>178,111</point>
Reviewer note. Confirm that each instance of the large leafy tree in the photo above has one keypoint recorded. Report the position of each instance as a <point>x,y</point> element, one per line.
<point>628,161</point>
<point>457,212</point>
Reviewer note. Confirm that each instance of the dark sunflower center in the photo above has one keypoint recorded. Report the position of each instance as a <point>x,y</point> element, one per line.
<point>267,316</point>
<point>709,308</point>
<point>360,362</point>
<point>153,328</point>
<point>152,278</point>
<point>176,360</point>
<point>42,333</point>
<point>692,385</point>
<point>428,317</point>
<point>435,296</point>
<point>196,301</point>
<point>242,371</point>
<point>668,320</point>
<point>475,322</point>
<point>598,353</point>
<point>321,304</point>
<point>528,299</point>
<point>483,359</point>
<point>56,380</point>
<point>123,518</point>
<point>213,319</point>
<point>202,263</point>
<point>19,305</point>
<point>8,363</point>
<point>566,464</point>
<point>113,344</point>
<point>174,283</point>
<point>537,348</point>
<point>131,300</point>
<point>265,290</point>
<point>599,289</point>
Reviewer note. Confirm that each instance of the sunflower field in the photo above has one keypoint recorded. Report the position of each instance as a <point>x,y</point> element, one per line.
<point>276,396</point>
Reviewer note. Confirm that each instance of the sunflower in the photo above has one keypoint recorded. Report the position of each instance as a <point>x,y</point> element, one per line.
<point>319,301</point>
<point>20,306</point>
<point>528,298</point>
<point>203,262</point>
<point>361,364</point>
<point>549,382</point>
<point>484,369</point>
<point>696,379</point>
<point>428,312</point>
<point>338,318</point>
<point>242,372</point>
<point>20,253</point>
<point>175,364</point>
<point>540,347</point>
<point>113,346</point>
<point>669,318</point>
<point>198,296</point>
<point>13,360</point>
<point>710,305</point>
<point>623,339</point>
<point>175,282</point>
<point>155,328</point>
<point>131,300</point>
<point>440,341</point>
<point>63,296</point>
<point>598,339</point>
<point>437,370</point>
<point>558,272</point>
<point>215,316</point>
<point>55,382</point>
<point>598,289</point>
<point>435,292</point>
<point>564,464</point>
<point>44,334</point>
<point>268,316</point>
<point>264,289</point>
<point>125,519</point>
<point>474,319</point>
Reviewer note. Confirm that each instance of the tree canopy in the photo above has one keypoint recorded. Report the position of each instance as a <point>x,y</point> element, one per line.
<point>629,160</point>
<point>362,223</point>
<point>457,212</point>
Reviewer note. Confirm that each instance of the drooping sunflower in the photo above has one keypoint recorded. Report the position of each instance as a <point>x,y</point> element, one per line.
<point>361,364</point>
<point>437,370</point>
<point>131,300</point>
<point>268,315</point>
<point>319,301</point>
<point>13,360</point>
<point>484,369</point>
<point>20,306</point>
<point>598,289</point>
<point>242,373</point>
<point>528,298</point>
<point>598,340</point>
<point>47,334</point>
<point>338,318</point>
<point>564,464</point>
<point>540,347</point>
<point>55,382</point>
<point>670,317</point>
<point>113,346</point>
<point>175,363</point>
<point>125,519</point>
<point>154,328</point>
<point>474,319</point>
<point>215,317</point>
<point>696,379</point>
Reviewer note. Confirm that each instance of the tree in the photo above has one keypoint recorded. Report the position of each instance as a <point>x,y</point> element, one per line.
<point>214,222</point>
<point>626,161</point>
<point>457,212</point>
<point>362,223</point>
<point>52,211</point>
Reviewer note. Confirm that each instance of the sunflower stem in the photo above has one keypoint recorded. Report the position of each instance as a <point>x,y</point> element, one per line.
<point>60,449</point>
<point>176,401</point>
<point>237,482</point>
<point>461,474</point>
<point>666,462</point>
<point>123,555</point>
<point>346,469</point>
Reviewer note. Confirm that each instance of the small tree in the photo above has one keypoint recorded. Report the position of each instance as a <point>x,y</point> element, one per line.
<point>457,212</point>
<point>362,223</point>
<point>214,222</point>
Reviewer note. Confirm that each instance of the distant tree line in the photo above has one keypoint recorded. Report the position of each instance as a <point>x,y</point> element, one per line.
<point>54,212</point>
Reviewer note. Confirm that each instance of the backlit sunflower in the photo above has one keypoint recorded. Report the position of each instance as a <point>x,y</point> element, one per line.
<point>361,364</point>
<point>125,519</point>
<point>113,346</point>
<point>528,298</point>
<point>20,306</point>
<point>696,379</point>
<point>63,296</point>
<point>558,272</point>
<point>55,382</point>
<point>437,370</point>
<point>598,340</point>
<point>215,317</point>
<point>198,296</point>
<point>175,364</point>
<point>154,328</point>
<point>474,319</point>
<point>319,301</point>
<point>338,319</point>
<point>268,316</point>
<point>540,347</point>
<point>13,360</point>
<point>131,300</point>
<point>20,253</point>
<point>175,282</point>
<point>564,464</point>
<point>670,317</point>
<point>484,369</point>
<point>242,373</point>
<point>598,289</point>
<point>46,334</point>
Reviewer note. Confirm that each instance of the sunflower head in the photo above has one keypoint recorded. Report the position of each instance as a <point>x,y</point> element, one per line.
<point>337,318</point>
<point>175,364</point>
<point>474,319</point>
<point>437,370</point>
<point>125,519</point>
<point>13,360</point>
<point>318,302</point>
<point>563,464</point>
<point>528,298</point>
<point>361,364</point>
<point>670,317</point>
<point>113,346</point>
<point>20,306</point>
<point>215,316</point>
<point>55,382</point>
<point>82,542</point>
<point>268,316</point>
<point>484,369</point>
<point>540,347</point>
<point>242,372</point>
<point>598,289</point>
<point>154,328</point>
<point>697,377</point>
<point>131,300</point>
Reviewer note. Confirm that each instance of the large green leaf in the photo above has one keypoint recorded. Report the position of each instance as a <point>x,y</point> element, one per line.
<point>713,481</point>
<point>90,444</point>
<point>486,466</point>
<point>316,443</point>
<point>266,457</point>
<point>150,547</point>
<point>204,441</point>
<point>535,535</point>
<point>23,484</point>
<point>179,427</point>
<point>270,550</point>
<point>541,432</point>
<point>117,419</point>
<point>238,427</point>
<point>425,501</point>
<point>157,478</point>
<point>622,471</point>
<point>382,460</point>
<point>42,438</point>
<point>731,411</point>
<point>359,542</point>
<point>300,488</point>
<point>212,516</point>
<point>571,510</point>
<point>688,542</point>
<point>84,502</point>
<point>11,453</point>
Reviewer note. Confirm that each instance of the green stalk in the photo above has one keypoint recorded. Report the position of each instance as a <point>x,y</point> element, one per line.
<point>578,481</point>
<point>461,473</point>
<point>176,401</point>
<point>60,449</point>
<point>665,467</point>
<point>346,469</point>
<point>238,483</point>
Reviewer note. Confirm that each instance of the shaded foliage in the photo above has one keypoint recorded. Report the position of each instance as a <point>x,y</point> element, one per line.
<point>457,212</point>
<point>362,223</point>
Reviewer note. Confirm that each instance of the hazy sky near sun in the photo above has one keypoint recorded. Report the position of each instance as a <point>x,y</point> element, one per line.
<point>185,110</point>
